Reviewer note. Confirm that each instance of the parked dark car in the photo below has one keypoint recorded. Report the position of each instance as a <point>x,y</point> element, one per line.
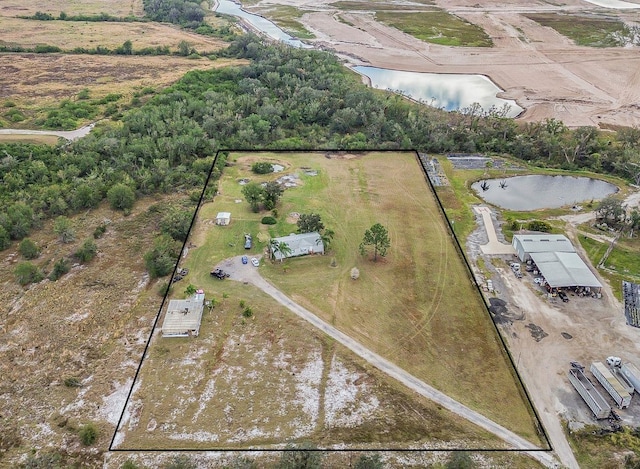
<point>219,273</point>
<point>245,260</point>
<point>247,241</point>
<point>563,296</point>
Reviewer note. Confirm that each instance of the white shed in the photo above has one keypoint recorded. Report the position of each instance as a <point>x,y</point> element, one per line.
<point>223,218</point>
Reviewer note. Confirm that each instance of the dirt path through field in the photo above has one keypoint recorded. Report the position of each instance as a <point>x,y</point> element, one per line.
<point>67,134</point>
<point>246,273</point>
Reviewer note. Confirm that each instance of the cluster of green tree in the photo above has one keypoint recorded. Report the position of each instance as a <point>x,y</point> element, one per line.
<point>312,222</point>
<point>286,98</point>
<point>39,49</point>
<point>613,213</point>
<point>186,13</point>
<point>174,227</point>
<point>262,196</point>
<point>101,17</point>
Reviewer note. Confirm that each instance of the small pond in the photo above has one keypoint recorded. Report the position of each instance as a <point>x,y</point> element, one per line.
<point>535,192</point>
<point>443,90</point>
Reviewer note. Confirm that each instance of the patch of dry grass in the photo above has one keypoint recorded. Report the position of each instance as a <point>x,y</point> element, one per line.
<point>72,7</point>
<point>270,379</point>
<point>36,139</point>
<point>36,81</point>
<point>71,34</point>
<point>91,324</point>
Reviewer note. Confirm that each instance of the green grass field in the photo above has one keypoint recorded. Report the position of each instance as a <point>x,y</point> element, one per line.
<point>584,30</point>
<point>437,27</point>
<point>623,262</point>
<point>417,307</point>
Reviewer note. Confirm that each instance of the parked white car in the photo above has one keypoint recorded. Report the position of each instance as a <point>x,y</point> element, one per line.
<point>255,262</point>
<point>539,280</point>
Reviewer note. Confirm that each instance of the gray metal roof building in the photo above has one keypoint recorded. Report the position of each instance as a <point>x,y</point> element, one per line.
<point>300,245</point>
<point>183,317</point>
<point>526,244</point>
<point>564,269</point>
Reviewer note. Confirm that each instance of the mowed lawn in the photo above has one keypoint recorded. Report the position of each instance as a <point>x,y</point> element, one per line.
<point>417,307</point>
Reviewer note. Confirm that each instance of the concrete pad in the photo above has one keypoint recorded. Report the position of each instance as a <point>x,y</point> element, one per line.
<point>493,247</point>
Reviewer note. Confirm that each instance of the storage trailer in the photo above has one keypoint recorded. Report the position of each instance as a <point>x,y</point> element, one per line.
<point>598,405</point>
<point>631,374</point>
<point>611,384</point>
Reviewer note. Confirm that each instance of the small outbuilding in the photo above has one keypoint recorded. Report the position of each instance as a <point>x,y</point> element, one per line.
<point>183,317</point>
<point>223,218</point>
<point>300,245</point>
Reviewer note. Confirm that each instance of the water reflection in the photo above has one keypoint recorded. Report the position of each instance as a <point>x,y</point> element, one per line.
<point>447,91</point>
<point>535,192</point>
<point>617,4</point>
<point>228,7</point>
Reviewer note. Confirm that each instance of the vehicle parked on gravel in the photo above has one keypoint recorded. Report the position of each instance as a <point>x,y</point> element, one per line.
<point>255,262</point>
<point>220,274</point>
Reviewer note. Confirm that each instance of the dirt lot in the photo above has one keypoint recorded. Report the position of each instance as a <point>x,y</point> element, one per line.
<point>543,71</point>
<point>544,335</point>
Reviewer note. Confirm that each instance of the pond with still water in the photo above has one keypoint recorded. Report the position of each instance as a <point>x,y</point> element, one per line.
<point>451,92</point>
<point>535,192</point>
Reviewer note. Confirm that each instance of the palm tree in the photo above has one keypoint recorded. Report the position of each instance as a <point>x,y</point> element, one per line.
<point>284,250</point>
<point>326,236</point>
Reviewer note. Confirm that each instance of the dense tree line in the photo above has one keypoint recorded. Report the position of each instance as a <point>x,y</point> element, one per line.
<point>184,12</point>
<point>285,99</point>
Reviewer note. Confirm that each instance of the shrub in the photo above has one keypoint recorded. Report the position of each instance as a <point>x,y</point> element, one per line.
<point>87,251</point>
<point>27,273</point>
<point>88,434</point>
<point>539,225</point>
<point>121,197</point>
<point>176,223</point>
<point>60,268</point>
<point>269,220</point>
<point>99,231</point>
<point>162,258</point>
<point>247,312</point>
<point>129,464</point>
<point>5,240</point>
<point>62,227</point>
<point>262,167</point>
<point>28,249</point>
<point>72,382</point>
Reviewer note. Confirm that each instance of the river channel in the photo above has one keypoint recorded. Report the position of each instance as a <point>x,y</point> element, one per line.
<point>448,91</point>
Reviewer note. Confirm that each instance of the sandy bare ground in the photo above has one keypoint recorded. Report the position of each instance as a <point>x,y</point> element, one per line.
<point>596,329</point>
<point>543,71</point>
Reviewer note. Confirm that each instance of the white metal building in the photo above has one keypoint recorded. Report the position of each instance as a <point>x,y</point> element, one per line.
<point>223,218</point>
<point>556,259</point>
<point>183,317</point>
<point>526,244</point>
<point>564,269</point>
<point>300,245</point>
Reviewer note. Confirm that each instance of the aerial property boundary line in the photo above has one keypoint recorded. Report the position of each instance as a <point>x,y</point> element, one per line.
<point>520,447</point>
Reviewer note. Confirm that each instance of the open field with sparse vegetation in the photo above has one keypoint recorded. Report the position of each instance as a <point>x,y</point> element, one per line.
<point>416,307</point>
<point>590,31</point>
<point>35,84</point>
<point>118,8</point>
<point>69,35</point>
<point>437,27</point>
